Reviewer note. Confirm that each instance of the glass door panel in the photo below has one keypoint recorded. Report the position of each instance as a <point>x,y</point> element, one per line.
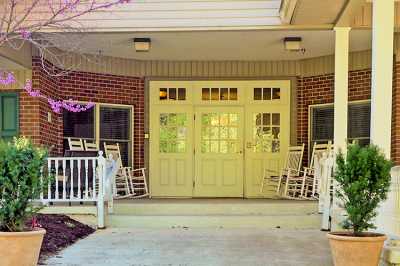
<point>219,152</point>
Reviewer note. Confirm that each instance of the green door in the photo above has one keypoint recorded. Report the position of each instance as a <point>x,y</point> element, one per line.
<point>9,124</point>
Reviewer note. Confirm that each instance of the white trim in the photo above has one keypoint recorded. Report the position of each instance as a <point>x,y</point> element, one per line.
<point>287,10</point>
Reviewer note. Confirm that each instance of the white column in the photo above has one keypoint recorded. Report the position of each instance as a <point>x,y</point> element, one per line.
<point>381,94</point>
<point>340,103</point>
<point>382,73</point>
<point>341,87</point>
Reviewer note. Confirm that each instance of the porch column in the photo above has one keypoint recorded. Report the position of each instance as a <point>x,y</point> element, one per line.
<point>381,94</point>
<point>382,73</point>
<point>341,87</point>
<point>340,102</point>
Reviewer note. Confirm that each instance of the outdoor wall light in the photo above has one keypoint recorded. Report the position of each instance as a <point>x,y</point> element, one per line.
<point>142,44</point>
<point>293,44</point>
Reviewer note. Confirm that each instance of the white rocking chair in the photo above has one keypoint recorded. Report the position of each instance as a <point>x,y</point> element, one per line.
<point>305,185</point>
<point>129,183</point>
<point>274,180</point>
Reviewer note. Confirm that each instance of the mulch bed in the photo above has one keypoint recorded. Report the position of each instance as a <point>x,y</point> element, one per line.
<point>61,232</point>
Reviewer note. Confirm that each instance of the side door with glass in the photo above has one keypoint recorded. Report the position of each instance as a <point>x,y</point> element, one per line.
<point>171,152</point>
<point>267,132</point>
<point>171,139</point>
<point>9,115</point>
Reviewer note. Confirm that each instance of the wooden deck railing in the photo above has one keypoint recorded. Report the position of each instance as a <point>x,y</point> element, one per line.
<point>79,179</point>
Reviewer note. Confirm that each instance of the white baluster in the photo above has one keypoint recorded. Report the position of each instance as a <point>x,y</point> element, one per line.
<point>64,196</point>
<point>100,198</point>
<point>86,179</point>
<point>94,174</point>
<point>56,176</point>
<point>49,183</point>
<point>79,179</point>
<point>41,182</point>
<point>71,167</point>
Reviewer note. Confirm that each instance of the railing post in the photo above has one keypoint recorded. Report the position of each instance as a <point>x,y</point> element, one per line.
<point>100,195</point>
<point>326,189</point>
<point>111,182</point>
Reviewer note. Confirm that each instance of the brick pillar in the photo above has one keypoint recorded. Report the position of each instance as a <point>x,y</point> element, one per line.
<point>395,149</point>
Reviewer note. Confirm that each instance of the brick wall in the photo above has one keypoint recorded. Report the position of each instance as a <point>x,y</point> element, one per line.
<point>396,115</point>
<point>80,86</point>
<point>85,86</point>
<point>50,132</point>
<point>320,90</point>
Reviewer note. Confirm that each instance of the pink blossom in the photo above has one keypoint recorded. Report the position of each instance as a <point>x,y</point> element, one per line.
<point>7,78</point>
<point>58,105</point>
<point>25,34</point>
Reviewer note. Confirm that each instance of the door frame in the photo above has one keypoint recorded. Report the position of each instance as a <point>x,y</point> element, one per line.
<point>290,84</point>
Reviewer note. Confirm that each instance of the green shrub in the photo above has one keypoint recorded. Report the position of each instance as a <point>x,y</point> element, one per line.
<point>20,167</point>
<point>363,179</point>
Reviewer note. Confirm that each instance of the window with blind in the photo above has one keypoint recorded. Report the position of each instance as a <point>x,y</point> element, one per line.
<point>358,128</point>
<point>114,127</point>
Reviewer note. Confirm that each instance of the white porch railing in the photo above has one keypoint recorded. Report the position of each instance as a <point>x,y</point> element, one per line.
<point>80,179</point>
<point>324,175</point>
<point>389,211</point>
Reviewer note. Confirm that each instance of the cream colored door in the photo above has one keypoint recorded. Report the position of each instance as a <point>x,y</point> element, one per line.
<point>171,151</point>
<point>218,152</point>
<point>267,133</point>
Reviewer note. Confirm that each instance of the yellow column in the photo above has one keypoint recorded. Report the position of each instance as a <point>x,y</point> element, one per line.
<point>340,103</point>
<point>381,100</point>
<point>382,73</point>
<point>341,87</point>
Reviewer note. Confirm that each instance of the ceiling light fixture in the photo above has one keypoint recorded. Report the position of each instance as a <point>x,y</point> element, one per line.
<point>142,44</point>
<point>293,44</point>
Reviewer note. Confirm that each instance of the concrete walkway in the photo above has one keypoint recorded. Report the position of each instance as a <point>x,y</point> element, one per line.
<point>198,247</point>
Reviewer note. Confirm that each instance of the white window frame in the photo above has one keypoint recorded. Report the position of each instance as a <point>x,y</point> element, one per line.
<point>97,106</point>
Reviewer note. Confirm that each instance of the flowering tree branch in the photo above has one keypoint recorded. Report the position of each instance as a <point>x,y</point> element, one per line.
<point>25,21</point>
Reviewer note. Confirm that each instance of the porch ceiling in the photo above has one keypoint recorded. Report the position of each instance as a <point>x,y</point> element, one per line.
<point>218,45</point>
<point>317,12</point>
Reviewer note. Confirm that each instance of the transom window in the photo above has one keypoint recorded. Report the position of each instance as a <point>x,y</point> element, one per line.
<point>114,127</point>
<point>219,133</point>
<point>219,94</point>
<point>173,132</point>
<point>172,94</point>
<point>266,132</point>
<point>267,94</point>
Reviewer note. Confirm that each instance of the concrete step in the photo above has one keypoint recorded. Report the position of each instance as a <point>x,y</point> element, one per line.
<point>310,221</point>
<point>215,207</point>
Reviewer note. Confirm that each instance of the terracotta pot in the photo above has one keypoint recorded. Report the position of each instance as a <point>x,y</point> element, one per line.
<point>20,248</point>
<point>348,250</point>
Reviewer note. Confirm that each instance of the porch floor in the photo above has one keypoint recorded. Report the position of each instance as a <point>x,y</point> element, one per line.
<point>198,247</point>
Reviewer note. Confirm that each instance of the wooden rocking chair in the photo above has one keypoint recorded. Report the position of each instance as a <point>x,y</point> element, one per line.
<point>305,185</point>
<point>274,180</point>
<point>129,183</point>
<point>75,144</point>
<point>91,145</point>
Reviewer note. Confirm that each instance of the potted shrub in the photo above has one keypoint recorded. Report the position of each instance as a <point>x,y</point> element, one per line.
<point>363,181</point>
<point>20,183</point>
